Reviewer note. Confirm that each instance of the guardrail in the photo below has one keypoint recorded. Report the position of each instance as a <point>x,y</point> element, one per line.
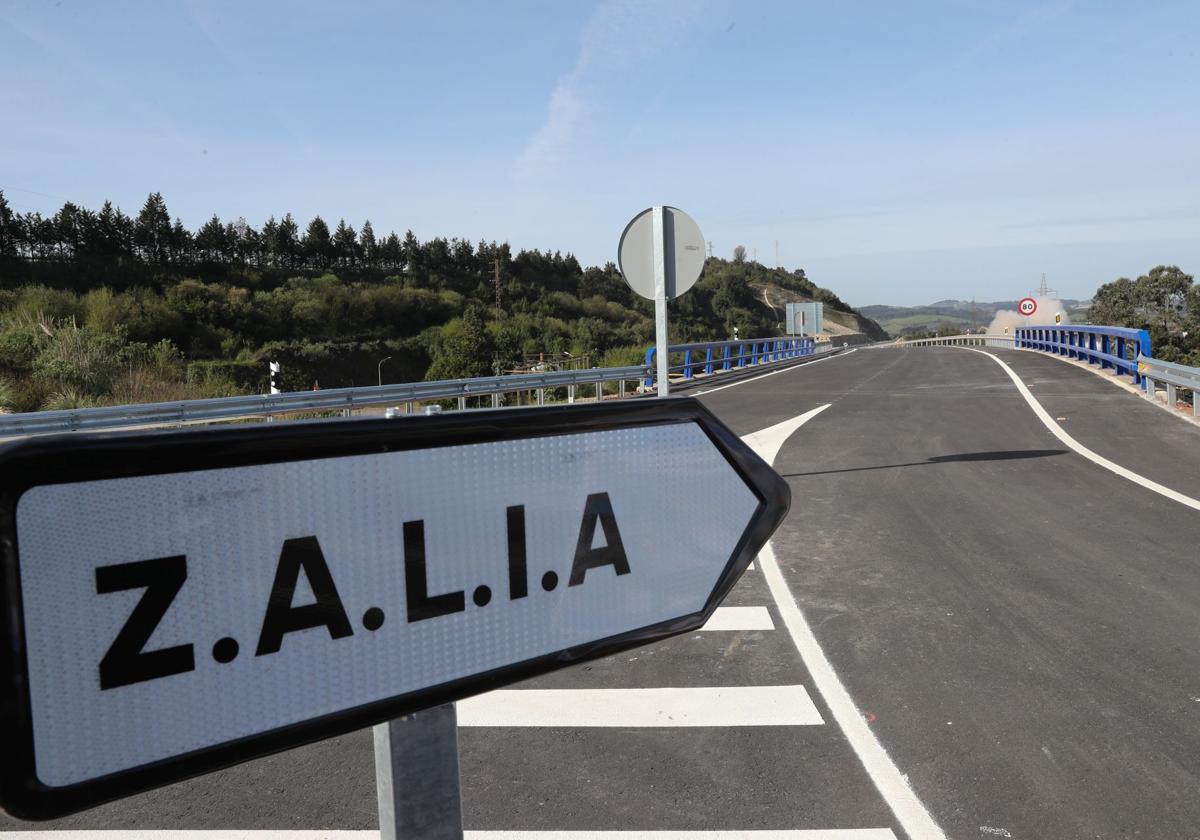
<point>1174,376</point>
<point>345,399</point>
<point>722,356</point>
<point>1110,347</point>
<point>956,341</point>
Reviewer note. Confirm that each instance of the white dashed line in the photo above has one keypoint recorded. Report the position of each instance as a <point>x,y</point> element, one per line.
<point>756,705</point>
<point>740,618</point>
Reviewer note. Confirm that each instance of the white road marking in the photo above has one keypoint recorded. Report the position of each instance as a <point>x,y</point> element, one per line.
<point>891,783</point>
<point>771,705</point>
<point>740,618</point>
<point>772,373</point>
<point>275,834</point>
<point>1078,447</point>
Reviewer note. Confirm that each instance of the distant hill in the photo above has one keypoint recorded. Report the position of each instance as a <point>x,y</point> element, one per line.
<point>962,314</point>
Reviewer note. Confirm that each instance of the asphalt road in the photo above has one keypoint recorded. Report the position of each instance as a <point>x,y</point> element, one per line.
<point>1016,624</point>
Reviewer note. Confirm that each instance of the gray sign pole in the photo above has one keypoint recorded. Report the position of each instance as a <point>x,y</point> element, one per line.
<point>416,776</point>
<point>660,302</point>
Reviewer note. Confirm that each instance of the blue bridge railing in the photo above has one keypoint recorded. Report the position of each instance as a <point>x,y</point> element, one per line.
<point>717,356</point>
<point>1110,347</point>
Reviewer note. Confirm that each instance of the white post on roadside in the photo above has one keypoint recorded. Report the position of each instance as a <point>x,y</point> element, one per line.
<point>416,776</point>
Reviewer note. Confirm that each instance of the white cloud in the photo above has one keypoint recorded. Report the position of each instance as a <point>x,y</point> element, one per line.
<point>623,37</point>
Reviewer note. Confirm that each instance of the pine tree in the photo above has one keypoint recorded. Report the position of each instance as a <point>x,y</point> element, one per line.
<point>317,245</point>
<point>152,230</point>
<point>345,244</point>
<point>10,238</point>
<point>367,245</point>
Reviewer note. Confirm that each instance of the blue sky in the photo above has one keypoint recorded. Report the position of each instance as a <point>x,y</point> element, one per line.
<point>899,152</point>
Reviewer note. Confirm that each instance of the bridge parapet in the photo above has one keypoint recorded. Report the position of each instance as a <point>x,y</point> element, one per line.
<point>1111,347</point>
<point>719,356</point>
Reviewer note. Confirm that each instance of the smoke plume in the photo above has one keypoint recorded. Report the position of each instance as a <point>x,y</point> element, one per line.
<point>1007,320</point>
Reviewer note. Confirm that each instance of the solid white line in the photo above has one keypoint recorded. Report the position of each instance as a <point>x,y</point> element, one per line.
<point>276,834</point>
<point>772,373</point>
<point>772,705</point>
<point>891,783</point>
<point>740,618</point>
<point>1078,447</point>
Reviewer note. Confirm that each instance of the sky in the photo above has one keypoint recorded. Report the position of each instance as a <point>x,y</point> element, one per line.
<point>900,153</point>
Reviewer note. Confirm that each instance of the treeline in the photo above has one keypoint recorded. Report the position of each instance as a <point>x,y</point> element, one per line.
<point>99,307</point>
<point>1164,301</point>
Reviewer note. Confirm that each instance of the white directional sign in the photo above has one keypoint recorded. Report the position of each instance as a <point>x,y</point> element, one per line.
<point>182,601</point>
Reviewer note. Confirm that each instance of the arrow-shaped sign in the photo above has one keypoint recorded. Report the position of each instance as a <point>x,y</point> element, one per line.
<point>176,602</point>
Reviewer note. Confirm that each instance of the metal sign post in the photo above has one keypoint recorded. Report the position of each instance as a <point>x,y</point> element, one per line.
<point>176,602</point>
<point>661,255</point>
<point>416,776</point>
<point>661,340</point>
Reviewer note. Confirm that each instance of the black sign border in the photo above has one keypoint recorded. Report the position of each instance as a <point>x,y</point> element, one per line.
<point>64,458</point>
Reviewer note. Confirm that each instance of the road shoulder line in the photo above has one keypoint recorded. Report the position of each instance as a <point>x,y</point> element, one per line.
<point>892,785</point>
<point>1060,433</point>
<point>797,366</point>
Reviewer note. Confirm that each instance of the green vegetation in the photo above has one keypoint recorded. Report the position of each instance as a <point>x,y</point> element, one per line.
<point>97,307</point>
<point>1163,301</point>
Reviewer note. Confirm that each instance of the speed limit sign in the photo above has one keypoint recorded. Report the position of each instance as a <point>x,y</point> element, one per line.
<point>1027,306</point>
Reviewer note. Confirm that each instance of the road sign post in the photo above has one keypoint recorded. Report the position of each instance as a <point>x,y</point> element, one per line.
<point>175,602</point>
<point>661,255</point>
<point>416,776</point>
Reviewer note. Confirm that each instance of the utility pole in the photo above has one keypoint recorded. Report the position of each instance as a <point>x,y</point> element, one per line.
<point>756,254</point>
<point>777,253</point>
<point>710,249</point>
<point>1043,289</point>
<point>496,266</point>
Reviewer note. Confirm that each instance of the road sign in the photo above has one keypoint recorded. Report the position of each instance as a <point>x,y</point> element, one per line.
<point>1058,317</point>
<point>176,602</point>
<point>1027,306</point>
<point>661,255</point>
<point>640,248</point>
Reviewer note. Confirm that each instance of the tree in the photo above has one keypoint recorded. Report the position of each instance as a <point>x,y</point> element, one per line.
<point>152,230</point>
<point>317,245</point>
<point>1161,293</point>
<point>210,241</point>
<point>367,244</point>
<point>9,230</point>
<point>739,254</point>
<point>466,348</point>
<point>287,242</point>
<point>345,244</point>
<point>1115,304</point>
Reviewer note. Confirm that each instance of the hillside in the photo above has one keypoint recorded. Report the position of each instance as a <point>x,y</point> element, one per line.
<point>97,307</point>
<point>950,314</point>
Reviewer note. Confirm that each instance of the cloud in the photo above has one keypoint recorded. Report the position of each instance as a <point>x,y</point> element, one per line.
<point>621,39</point>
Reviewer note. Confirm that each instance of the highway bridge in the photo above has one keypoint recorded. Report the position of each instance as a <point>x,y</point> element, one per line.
<point>980,619</point>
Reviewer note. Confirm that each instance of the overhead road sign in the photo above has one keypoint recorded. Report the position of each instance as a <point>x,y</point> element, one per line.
<point>1027,306</point>
<point>176,602</point>
<point>661,255</point>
